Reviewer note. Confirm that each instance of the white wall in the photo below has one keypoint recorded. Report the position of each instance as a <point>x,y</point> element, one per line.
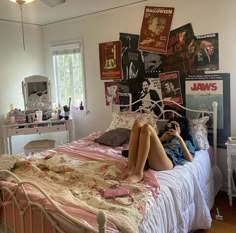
<point>206,17</point>
<point>16,64</point>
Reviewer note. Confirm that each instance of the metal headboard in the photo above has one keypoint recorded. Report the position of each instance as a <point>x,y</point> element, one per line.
<point>163,113</point>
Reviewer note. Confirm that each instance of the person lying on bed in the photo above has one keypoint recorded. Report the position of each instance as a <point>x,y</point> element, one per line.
<point>148,150</point>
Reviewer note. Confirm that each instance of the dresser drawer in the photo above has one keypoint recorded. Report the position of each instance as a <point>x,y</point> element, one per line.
<point>35,130</point>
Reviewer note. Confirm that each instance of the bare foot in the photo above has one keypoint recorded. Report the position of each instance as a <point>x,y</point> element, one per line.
<point>133,179</point>
<point>125,174</point>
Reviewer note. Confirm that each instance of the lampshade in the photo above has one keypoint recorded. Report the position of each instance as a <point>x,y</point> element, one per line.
<point>21,2</point>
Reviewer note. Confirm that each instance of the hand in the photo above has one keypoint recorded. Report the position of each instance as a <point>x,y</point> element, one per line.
<point>166,136</point>
<point>174,133</point>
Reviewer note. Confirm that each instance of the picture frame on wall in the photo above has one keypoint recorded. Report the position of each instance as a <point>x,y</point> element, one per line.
<point>110,60</point>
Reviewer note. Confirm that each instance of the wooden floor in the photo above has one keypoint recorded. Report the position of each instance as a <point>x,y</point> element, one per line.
<point>228,224</point>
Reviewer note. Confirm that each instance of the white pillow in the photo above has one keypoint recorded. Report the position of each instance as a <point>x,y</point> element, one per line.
<point>126,119</point>
<point>199,132</point>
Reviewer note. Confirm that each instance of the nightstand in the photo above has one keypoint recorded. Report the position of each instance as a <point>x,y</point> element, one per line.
<point>231,151</point>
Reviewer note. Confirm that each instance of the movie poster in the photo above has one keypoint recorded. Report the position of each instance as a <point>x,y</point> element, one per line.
<point>201,91</point>
<point>170,86</point>
<point>155,29</point>
<point>131,58</point>
<point>181,51</point>
<point>207,52</point>
<point>150,92</point>
<point>111,93</point>
<point>125,99</point>
<point>110,62</point>
<point>153,64</point>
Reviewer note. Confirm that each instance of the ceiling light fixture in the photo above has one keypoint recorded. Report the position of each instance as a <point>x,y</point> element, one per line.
<point>21,3</point>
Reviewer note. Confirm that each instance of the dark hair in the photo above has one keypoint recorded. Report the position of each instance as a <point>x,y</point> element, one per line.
<point>184,126</point>
<point>146,80</point>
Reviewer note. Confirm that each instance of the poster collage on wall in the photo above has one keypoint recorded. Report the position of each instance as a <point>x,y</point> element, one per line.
<point>161,63</point>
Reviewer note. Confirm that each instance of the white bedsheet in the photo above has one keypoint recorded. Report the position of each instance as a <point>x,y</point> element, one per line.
<point>186,196</point>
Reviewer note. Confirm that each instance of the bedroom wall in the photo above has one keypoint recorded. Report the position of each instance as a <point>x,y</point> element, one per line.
<point>205,16</point>
<point>15,65</point>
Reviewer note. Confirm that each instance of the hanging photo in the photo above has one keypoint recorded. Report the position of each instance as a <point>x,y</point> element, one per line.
<point>207,52</point>
<point>170,86</point>
<point>155,29</point>
<point>111,93</point>
<point>110,62</point>
<point>132,59</point>
<point>180,53</point>
<point>153,64</point>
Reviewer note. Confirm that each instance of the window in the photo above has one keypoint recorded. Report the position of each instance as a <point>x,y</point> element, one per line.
<point>68,74</point>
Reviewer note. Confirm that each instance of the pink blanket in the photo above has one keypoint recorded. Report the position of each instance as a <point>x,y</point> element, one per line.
<point>75,176</point>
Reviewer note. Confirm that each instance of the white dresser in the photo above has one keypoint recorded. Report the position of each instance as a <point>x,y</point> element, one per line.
<point>10,130</point>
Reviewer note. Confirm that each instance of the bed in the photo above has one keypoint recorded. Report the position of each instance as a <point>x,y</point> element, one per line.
<point>62,190</point>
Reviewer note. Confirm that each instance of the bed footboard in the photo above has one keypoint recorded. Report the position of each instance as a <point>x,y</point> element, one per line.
<point>23,215</point>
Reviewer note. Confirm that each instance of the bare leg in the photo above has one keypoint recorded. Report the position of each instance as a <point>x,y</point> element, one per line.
<point>133,148</point>
<point>150,148</point>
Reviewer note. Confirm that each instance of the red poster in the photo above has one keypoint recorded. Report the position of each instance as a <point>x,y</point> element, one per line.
<point>155,29</point>
<point>170,86</point>
<point>110,60</point>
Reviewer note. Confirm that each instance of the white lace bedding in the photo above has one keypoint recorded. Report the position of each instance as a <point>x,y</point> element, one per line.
<point>186,192</point>
<point>186,195</point>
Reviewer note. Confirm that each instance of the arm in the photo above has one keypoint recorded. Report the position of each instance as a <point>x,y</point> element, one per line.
<point>187,155</point>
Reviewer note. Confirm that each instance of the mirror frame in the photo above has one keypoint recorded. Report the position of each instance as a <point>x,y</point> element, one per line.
<point>34,79</point>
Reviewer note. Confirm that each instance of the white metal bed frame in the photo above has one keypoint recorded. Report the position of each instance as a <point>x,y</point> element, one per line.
<point>218,177</point>
<point>8,196</point>
<point>57,220</point>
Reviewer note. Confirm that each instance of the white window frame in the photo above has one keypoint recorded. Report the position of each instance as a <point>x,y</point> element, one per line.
<point>68,48</point>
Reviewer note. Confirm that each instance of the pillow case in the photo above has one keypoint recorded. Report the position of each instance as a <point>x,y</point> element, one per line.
<point>199,132</point>
<point>126,119</point>
<point>161,125</point>
<point>115,137</point>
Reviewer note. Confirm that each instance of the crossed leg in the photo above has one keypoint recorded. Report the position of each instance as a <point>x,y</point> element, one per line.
<point>145,144</point>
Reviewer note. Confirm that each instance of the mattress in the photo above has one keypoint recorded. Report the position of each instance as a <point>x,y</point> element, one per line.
<point>186,197</point>
<point>182,204</point>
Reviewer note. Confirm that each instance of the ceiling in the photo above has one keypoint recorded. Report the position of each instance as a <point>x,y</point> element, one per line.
<point>39,13</point>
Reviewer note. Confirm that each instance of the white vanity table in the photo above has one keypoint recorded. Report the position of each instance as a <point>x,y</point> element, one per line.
<point>10,130</point>
<point>37,96</point>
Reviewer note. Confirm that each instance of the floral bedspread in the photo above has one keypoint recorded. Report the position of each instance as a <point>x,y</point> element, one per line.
<point>76,175</point>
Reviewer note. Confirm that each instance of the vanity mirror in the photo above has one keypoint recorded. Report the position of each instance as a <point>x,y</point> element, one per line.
<point>37,93</point>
